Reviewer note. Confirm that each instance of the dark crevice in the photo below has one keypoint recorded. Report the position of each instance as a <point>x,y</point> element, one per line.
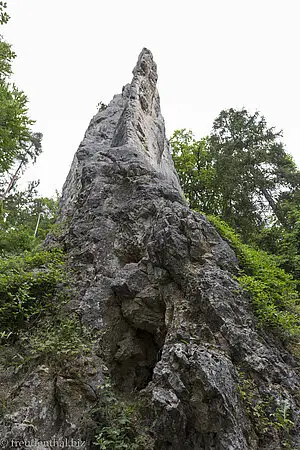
<point>60,412</point>
<point>135,372</point>
<point>136,342</point>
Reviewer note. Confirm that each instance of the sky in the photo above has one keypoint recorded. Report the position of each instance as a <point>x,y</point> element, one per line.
<point>211,55</point>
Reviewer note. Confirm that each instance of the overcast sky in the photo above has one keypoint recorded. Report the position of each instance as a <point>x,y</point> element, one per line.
<point>211,55</point>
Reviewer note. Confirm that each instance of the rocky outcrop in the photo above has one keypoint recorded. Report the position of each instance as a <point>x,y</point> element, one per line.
<point>155,284</point>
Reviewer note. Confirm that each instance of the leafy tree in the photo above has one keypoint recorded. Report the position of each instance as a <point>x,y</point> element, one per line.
<point>18,144</point>
<point>289,246</point>
<point>194,165</point>
<point>253,169</point>
<point>25,218</point>
<point>284,242</point>
<point>28,219</point>
<point>33,280</point>
<point>241,172</point>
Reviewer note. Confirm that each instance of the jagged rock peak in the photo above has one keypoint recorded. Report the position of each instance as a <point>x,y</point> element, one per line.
<point>130,131</point>
<point>146,65</point>
<point>141,122</point>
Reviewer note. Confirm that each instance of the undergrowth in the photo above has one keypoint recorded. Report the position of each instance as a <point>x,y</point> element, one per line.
<point>267,414</point>
<point>34,290</point>
<point>273,291</point>
<point>57,341</point>
<point>120,422</point>
<point>29,283</point>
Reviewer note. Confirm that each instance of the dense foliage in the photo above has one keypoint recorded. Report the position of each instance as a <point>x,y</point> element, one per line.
<point>194,165</point>
<point>241,172</point>
<point>28,284</point>
<point>284,242</point>
<point>27,220</point>
<point>19,146</point>
<point>18,143</point>
<point>120,422</point>
<point>273,291</point>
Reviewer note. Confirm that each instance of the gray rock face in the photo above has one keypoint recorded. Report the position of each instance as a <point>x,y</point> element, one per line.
<point>156,281</point>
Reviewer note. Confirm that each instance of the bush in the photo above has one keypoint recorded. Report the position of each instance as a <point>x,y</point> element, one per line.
<point>15,241</point>
<point>64,337</point>
<point>273,291</point>
<point>121,423</point>
<point>28,285</point>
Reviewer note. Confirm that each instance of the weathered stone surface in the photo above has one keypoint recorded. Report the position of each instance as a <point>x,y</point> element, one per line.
<point>46,404</point>
<point>157,281</point>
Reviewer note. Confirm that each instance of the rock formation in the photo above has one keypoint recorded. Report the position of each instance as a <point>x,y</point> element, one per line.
<point>155,284</point>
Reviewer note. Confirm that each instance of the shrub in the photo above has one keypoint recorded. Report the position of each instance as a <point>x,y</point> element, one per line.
<point>63,337</point>
<point>121,423</point>
<point>273,291</point>
<point>28,285</point>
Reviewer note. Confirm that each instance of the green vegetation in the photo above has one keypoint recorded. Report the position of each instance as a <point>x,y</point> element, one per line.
<point>63,337</point>
<point>267,413</point>
<point>284,243</point>
<point>273,291</point>
<point>240,172</point>
<point>28,219</point>
<point>34,319</point>
<point>121,426</point>
<point>19,145</point>
<point>29,275</point>
<point>57,341</point>
<point>28,285</point>
<point>23,216</point>
<point>195,168</point>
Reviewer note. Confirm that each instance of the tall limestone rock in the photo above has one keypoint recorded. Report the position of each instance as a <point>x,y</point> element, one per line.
<point>155,284</point>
